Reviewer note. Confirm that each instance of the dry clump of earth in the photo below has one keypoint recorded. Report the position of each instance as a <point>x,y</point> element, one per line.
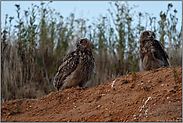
<point>151,96</point>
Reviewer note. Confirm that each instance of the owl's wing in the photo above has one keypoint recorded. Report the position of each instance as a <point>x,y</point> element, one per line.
<point>163,48</point>
<point>69,64</point>
<point>159,52</point>
<point>69,55</point>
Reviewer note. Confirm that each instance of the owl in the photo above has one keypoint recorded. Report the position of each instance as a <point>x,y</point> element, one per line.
<point>77,66</point>
<point>152,53</point>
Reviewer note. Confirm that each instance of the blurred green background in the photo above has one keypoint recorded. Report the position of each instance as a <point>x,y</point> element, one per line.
<point>33,48</point>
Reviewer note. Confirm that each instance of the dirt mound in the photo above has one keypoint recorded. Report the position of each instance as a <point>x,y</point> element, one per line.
<point>150,96</point>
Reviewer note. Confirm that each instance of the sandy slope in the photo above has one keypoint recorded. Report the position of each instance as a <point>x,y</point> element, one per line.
<point>151,96</point>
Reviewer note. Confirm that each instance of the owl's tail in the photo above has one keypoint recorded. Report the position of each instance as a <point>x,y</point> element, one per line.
<point>55,83</point>
<point>168,62</point>
<point>141,65</point>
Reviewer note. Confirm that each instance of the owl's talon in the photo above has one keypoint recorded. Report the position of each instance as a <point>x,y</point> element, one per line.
<point>84,88</point>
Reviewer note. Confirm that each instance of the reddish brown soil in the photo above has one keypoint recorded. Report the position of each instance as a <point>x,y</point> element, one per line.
<point>153,96</point>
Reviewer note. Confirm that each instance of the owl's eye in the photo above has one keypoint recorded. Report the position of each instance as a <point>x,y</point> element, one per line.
<point>153,34</point>
<point>82,42</point>
<point>147,34</point>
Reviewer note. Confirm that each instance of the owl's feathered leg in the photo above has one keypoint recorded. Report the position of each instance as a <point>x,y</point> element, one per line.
<point>84,88</point>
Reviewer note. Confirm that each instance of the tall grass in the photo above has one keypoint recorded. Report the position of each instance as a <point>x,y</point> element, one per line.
<point>33,49</point>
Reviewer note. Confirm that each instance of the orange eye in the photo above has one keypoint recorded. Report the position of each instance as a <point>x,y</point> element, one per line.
<point>147,34</point>
<point>153,34</point>
<point>81,42</point>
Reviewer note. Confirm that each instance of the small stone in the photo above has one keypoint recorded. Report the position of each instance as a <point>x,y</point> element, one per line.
<point>112,103</point>
<point>57,112</point>
<point>168,97</point>
<point>162,85</point>
<point>135,119</point>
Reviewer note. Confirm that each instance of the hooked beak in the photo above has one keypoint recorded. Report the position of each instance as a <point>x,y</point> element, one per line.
<point>151,36</point>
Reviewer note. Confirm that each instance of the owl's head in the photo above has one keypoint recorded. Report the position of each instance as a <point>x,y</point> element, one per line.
<point>147,35</point>
<point>84,43</point>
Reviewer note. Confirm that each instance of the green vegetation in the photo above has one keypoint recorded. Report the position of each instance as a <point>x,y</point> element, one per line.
<point>175,74</point>
<point>125,81</point>
<point>33,49</point>
<point>12,112</point>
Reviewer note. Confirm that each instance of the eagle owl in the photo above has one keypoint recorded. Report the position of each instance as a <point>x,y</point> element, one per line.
<point>77,66</point>
<point>152,53</point>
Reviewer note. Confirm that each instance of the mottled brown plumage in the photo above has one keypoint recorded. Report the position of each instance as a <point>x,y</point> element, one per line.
<point>77,66</point>
<point>152,52</point>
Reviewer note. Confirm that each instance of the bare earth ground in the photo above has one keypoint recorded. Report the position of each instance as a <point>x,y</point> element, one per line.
<point>154,96</point>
